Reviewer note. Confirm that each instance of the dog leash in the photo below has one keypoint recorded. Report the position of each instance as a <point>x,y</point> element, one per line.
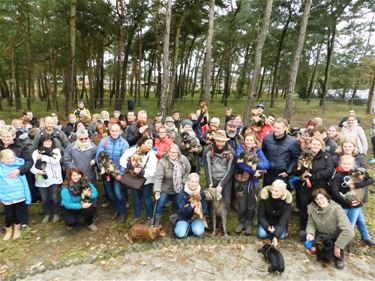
<point>153,214</point>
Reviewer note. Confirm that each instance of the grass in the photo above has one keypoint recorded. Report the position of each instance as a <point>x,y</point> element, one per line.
<point>53,243</point>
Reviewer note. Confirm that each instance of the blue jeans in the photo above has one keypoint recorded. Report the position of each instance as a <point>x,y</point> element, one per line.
<point>144,194</point>
<point>182,228</point>
<point>117,195</point>
<point>164,197</point>
<point>356,216</point>
<point>49,199</point>
<point>264,234</point>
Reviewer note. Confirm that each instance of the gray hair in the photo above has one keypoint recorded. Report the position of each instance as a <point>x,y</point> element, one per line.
<point>7,129</point>
<point>193,175</point>
<point>81,132</point>
<point>175,147</point>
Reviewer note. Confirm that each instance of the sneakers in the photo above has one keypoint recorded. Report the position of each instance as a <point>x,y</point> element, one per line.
<point>149,221</point>
<point>239,228</point>
<point>370,242</point>
<point>339,263</point>
<point>55,218</point>
<point>248,230</point>
<point>45,219</point>
<point>93,227</point>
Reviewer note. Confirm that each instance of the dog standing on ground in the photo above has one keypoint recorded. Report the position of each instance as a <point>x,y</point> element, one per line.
<point>274,258</point>
<point>218,208</point>
<point>145,233</point>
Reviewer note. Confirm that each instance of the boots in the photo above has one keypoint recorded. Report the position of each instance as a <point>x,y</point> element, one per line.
<point>17,231</point>
<point>8,233</point>
<point>157,219</point>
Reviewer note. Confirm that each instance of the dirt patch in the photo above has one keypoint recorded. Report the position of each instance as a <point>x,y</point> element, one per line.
<point>212,262</point>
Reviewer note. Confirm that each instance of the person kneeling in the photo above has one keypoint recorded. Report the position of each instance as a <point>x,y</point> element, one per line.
<point>274,211</point>
<point>78,197</point>
<point>191,209</point>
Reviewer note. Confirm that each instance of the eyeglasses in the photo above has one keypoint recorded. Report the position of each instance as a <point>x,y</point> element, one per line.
<point>83,139</point>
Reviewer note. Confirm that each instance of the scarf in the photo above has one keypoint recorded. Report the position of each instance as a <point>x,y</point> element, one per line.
<point>190,192</point>
<point>82,145</point>
<point>177,175</point>
<point>340,169</point>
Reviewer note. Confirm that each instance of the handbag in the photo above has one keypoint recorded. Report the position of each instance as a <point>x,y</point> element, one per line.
<point>133,181</point>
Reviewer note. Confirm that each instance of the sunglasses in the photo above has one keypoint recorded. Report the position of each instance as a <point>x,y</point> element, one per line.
<point>83,139</point>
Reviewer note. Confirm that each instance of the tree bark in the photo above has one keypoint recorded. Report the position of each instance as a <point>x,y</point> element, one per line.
<point>288,111</point>
<point>208,56</point>
<point>310,91</point>
<point>370,102</point>
<point>72,24</point>
<point>258,59</point>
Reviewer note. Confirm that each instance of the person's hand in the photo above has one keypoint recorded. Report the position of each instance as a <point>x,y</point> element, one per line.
<point>87,192</point>
<point>274,242</point>
<point>118,178</point>
<point>42,172</point>
<point>309,237</point>
<point>157,195</point>
<point>142,129</point>
<point>194,149</point>
<point>137,170</point>
<point>86,205</point>
<point>39,157</point>
<point>271,229</point>
<point>257,174</point>
<point>354,203</point>
<point>306,175</point>
<point>283,174</point>
<point>337,251</point>
<point>13,174</point>
<point>92,162</point>
<point>351,186</point>
<point>219,188</point>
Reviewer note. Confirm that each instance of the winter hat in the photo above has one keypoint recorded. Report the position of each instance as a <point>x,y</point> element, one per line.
<point>169,119</point>
<point>220,135</point>
<point>280,185</point>
<point>186,122</point>
<point>260,105</point>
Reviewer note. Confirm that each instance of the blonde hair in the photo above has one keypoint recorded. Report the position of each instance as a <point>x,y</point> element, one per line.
<point>7,129</point>
<point>6,153</point>
<point>347,158</point>
<point>340,150</point>
<point>193,175</point>
<point>318,140</point>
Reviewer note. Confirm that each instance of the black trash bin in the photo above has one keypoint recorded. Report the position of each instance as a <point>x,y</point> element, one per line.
<point>131,104</point>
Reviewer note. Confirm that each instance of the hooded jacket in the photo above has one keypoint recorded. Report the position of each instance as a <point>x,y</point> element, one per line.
<point>274,212</point>
<point>357,135</point>
<point>21,152</point>
<point>330,221</point>
<point>13,190</point>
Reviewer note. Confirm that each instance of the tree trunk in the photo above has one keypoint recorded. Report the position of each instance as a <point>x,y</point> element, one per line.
<point>278,56</point>
<point>370,102</point>
<point>330,48</point>
<point>288,111</point>
<point>261,84</point>
<point>242,78</point>
<point>310,91</point>
<point>258,59</point>
<point>30,85</point>
<point>72,24</point>
<point>208,57</point>
<point>165,78</point>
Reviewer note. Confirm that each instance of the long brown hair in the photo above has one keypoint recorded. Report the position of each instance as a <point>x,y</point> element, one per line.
<point>69,173</point>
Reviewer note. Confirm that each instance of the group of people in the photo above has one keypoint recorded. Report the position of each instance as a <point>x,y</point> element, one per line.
<point>325,167</point>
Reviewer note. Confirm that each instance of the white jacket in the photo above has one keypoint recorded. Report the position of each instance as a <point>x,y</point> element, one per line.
<point>150,158</point>
<point>357,135</point>
<point>53,169</point>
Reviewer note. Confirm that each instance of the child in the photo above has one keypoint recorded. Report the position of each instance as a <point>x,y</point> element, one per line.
<point>342,183</point>
<point>47,171</point>
<point>14,193</point>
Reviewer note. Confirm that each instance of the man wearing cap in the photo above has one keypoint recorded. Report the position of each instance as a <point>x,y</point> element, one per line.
<point>189,144</point>
<point>213,127</point>
<point>218,163</point>
<point>260,108</point>
<point>282,152</point>
<point>235,139</point>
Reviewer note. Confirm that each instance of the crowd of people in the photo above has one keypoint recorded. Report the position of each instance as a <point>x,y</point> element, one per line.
<point>256,168</point>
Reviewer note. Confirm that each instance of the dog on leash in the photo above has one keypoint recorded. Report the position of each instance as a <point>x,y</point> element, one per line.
<point>145,233</point>
<point>218,208</point>
<point>274,258</point>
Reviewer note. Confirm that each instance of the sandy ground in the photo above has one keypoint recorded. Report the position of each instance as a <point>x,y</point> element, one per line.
<point>212,262</point>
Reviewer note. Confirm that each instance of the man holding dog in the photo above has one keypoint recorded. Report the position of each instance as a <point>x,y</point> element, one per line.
<point>282,152</point>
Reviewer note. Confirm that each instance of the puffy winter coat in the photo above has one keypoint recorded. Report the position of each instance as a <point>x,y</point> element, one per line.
<point>73,202</point>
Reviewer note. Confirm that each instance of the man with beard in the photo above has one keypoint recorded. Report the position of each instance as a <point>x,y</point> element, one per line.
<point>235,139</point>
<point>218,163</point>
<point>189,145</point>
<point>282,152</point>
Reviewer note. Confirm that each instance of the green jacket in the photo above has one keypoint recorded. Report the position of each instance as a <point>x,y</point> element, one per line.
<point>330,221</point>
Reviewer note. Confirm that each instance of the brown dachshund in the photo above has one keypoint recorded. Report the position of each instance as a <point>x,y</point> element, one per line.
<point>145,232</point>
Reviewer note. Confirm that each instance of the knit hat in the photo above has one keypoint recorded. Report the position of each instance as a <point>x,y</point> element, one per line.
<point>220,135</point>
<point>260,105</point>
<point>186,122</point>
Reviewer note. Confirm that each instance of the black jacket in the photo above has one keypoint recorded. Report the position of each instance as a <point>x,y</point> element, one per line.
<point>21,152</point>
<point>281,153</point>
<point>330,145</point>
<point>322,170</point>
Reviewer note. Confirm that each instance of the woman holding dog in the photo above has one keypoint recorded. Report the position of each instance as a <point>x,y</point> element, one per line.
<point>78,197</point>
<point>274,211</point>
<point>171,175</point>
<point>191,208</point>
<point>327,218</point>
<point>48,176</point>
<point>142,161</point>
<point>247,176</point>
<point>313,173</point>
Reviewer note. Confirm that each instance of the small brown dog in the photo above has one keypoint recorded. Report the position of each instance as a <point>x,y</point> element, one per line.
<point>145,233</point>
<point>135,159</point>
